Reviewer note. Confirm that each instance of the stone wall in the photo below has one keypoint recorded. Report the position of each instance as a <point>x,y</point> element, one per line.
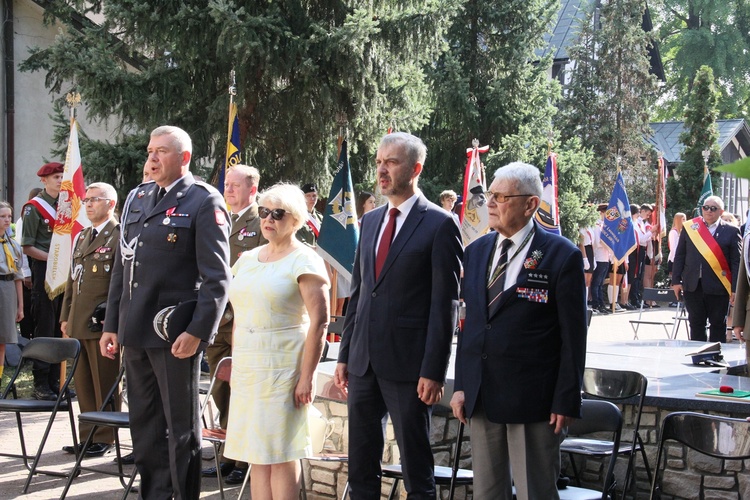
<point>689,475</point>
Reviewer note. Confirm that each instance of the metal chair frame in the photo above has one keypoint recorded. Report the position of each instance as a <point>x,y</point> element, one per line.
<point>596,416</point>
<point>215,435</point>
<point>718,437</point>
<point>619,386</point>
<point>444,476</point>
<point>664,295</point>
<point>107,416</point>
<point>53,351</point>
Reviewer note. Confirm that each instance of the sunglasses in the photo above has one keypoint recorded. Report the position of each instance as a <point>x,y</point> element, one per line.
<point>276,213</point>
<point>709,208</point>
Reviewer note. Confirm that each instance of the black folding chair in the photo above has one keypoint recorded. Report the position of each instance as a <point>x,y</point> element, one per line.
<point>718,437</point>
<point>107,416</point>
<point>53,351</point>
<point>617,386</point>
<point>444,476</point>
<point>597,416</point>
<point>663,295</point>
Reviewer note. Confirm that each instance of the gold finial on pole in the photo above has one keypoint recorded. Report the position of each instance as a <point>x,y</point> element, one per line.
<point>74,100</point>
<point>550,135</point>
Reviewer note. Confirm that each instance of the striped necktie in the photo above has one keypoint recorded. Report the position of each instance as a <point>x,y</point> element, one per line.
<point>497,282</point>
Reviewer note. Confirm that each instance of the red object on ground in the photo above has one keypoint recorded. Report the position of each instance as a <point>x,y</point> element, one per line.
<point>725,388</point>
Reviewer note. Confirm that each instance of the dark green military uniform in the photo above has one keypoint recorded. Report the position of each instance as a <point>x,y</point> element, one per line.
<point>93,261</point>
<point>305,233</point>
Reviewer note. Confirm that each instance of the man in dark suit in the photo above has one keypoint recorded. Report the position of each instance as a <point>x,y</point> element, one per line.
<point>87,288</point>
<point>705,269</point>
<point>240,190</point>
<point>174,247</point>
<point>521,354</point>
<point>399,324</point>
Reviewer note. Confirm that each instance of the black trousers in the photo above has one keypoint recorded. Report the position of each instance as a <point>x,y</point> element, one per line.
<point>47,315</point>
<point>164,422</point>
<point>703,306</point>
<point>370,398</point>
<point>636,270</point>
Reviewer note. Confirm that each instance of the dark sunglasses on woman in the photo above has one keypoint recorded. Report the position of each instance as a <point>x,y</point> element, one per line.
<point>276,213</point>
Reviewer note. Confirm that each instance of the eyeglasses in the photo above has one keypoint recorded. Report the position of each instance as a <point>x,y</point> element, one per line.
<point>276,213</point>
<point>94,199</point>
<point>709,208</point>
<point>503,198</point>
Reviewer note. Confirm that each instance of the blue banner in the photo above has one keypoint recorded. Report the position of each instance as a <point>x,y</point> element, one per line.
<point>617,231</point>
<point>339,231</point>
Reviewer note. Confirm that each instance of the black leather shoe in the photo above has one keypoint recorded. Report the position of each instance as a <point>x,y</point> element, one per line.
<point>226,469</point>
<point>128,459</point>
<point>70,449</point>
<point>44,394</point>
<point>237,476</point>
<point>98,449</point>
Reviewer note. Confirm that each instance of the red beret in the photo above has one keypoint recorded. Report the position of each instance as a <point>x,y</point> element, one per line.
<point>50,168</point>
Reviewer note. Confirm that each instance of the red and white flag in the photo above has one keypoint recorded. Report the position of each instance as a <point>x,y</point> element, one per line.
<point>658,216</point>
<point>71,217</point>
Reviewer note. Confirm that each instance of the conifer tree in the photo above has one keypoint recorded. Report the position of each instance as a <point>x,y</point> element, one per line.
<point>300,67</point>
<point>608,100</point>
<point>700,134</point>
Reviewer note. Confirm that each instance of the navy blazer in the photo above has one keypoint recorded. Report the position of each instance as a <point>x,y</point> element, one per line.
<point>686,269</point>
<point>181,257</point>
<point>527,360</point>
<point>402,324</point>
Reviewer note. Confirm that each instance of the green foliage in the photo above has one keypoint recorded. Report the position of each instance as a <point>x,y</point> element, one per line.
<point>700,134</point>
<point>715,33</point>
<point>300,67</point>
<point>609,97</point>
<point>489,84</point>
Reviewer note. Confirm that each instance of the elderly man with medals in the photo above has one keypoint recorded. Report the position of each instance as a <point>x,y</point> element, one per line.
<point>84,301</point>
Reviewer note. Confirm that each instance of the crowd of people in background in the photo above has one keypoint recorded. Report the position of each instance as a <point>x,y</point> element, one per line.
<point>702,267</point>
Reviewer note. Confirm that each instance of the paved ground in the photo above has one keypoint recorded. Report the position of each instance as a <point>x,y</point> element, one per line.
<point>613,327</point>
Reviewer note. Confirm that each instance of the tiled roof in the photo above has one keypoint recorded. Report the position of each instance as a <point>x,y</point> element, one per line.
<point>666,136</point>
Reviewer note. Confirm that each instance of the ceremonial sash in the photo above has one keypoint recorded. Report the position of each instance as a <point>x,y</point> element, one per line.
<point>314,224</point>
<point>709,249</point>
<point>48,213</point>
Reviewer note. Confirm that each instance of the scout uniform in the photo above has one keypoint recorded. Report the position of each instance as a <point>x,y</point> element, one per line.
<point>38,224</point>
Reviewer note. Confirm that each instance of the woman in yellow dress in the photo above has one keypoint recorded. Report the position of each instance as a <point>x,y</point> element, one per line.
<point>280,298</point>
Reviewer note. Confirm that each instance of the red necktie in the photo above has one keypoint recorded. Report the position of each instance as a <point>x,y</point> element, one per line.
<point>385,241</point>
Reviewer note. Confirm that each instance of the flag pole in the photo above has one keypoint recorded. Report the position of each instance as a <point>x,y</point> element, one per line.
<point>615,264</point>
<point>74,100</point>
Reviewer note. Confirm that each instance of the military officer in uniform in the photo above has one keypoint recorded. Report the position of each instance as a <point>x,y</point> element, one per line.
<point>174,248</point>
<point>309,231</point>
<point>240,190</point>
<point>38,224</point>
<point>87,288</point>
